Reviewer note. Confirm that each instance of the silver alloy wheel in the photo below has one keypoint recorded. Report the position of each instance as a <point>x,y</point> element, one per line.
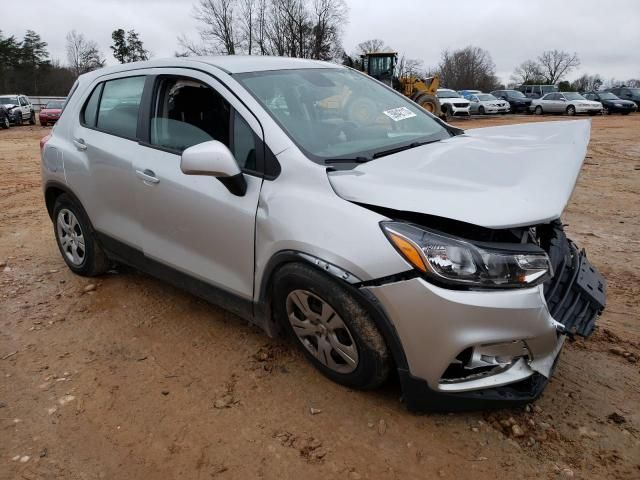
<point>322,332</point>
<point>71,237</point>
<point>6,122</point>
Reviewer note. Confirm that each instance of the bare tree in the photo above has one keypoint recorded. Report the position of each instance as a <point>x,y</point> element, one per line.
<point>409,67</point>
<point>83,55</point>
<point>470,67</point>
<point>248,11</point>
<point>528,72</point>
<point>261,26</point>
<point>328,18</point>
<point>296,28</point>
<point>371,46</point>
<point>555,64</point>
<point>218,25</point>
<point>587,83</point>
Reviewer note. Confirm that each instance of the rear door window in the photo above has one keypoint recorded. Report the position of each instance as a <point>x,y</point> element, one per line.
<point>119,106</point>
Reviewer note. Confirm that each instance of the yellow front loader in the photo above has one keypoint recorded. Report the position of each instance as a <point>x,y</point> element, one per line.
<point>382,65</point>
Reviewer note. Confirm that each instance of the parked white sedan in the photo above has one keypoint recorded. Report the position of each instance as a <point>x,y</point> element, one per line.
<point>570,103</point>
<point>483,103</point>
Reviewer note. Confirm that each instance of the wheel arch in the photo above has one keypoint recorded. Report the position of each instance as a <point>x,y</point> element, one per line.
<point>264,310</point>
<point>53,190</point>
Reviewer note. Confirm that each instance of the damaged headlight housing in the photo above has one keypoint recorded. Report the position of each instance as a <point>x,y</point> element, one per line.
<point>454,261</point>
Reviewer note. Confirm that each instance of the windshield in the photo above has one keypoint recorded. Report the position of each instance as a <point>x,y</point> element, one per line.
<point>607,96</point>
<point>573,96</point>
<point>447,94</point>
<point>515,94</point>
<point>9,100</point>
<point>54,105</point>
<point>339,113</point>
<point>486,96</point>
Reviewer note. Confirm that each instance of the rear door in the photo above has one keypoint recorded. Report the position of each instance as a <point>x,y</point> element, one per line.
<point>552,103</point>
<point>98,159</point>
<point>194,224</point>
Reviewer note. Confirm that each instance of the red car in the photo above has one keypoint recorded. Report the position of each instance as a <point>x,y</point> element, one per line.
<point>51,112</point>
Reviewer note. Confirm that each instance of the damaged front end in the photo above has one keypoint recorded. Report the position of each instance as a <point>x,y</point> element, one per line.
<point>486,343</point>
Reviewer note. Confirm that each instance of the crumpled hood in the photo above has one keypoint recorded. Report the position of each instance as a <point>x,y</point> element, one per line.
<point>496,177</point>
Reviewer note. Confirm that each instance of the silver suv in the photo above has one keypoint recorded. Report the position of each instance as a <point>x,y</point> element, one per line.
<point>310,198</point>
<point>19,107</point>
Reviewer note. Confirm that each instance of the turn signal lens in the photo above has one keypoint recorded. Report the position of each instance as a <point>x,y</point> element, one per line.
<point>409,251</point>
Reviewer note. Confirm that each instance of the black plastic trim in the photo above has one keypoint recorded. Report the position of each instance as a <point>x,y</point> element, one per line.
<point>134,257</point>
<point>65,189</point>
<point>236,184</point>
<point>367,299</point>
<point>419,397</point>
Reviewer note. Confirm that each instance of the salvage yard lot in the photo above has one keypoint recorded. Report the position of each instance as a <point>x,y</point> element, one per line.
<point>126,377</point>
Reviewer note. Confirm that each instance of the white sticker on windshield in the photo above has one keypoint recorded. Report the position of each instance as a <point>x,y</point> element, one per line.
<point>397,114</point>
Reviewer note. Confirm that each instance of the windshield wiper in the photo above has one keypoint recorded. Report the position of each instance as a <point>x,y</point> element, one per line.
<point>331,161</point>
<point>391,151</point>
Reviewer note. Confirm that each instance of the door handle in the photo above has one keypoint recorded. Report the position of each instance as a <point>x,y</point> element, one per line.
<point>79,143</point>
<point>147,176</point>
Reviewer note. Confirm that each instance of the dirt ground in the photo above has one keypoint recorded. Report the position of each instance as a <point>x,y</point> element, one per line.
<point>136,379</point>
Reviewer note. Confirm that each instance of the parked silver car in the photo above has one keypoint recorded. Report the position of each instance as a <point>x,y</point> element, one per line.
<point>308,197</point>
<point>484,103</point>
<point>570,103</point>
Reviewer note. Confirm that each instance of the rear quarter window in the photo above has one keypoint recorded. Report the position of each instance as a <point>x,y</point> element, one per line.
<point>90,110</point>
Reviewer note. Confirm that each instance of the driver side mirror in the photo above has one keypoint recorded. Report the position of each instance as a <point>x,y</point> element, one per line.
<point>214,159</point>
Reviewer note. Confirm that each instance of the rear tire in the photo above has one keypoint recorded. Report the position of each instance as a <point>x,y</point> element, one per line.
<point>335,332</point>
<point>32,119</point>
<point>75,239</point>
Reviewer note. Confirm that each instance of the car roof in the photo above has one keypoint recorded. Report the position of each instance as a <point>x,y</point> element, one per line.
<point>229,63</point>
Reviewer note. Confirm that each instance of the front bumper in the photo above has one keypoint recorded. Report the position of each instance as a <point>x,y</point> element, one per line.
<point>459,111</point>
<point>479,349</point>
<point>436,325</point>
<point>44,120</point>
<point>520,107</point>
<point>580,109</point>
<point>489,109</point>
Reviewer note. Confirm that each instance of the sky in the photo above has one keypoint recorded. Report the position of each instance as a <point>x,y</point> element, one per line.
<point>605,34</point>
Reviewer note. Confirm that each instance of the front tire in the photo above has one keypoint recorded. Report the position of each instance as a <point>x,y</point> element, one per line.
<point>19,120</point>
<point>333,329</point>
<point>481,110</point>
<point>538,110</point>
<point>32,119</point>
<point>571,110</point>
<point>6,123</point>
<point>75,239</point>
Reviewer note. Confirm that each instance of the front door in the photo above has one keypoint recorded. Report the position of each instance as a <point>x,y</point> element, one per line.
<point>192,223</point>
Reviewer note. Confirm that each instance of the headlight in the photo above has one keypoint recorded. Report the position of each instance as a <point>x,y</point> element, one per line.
<point>617,104</point>
<point>456,262</point>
